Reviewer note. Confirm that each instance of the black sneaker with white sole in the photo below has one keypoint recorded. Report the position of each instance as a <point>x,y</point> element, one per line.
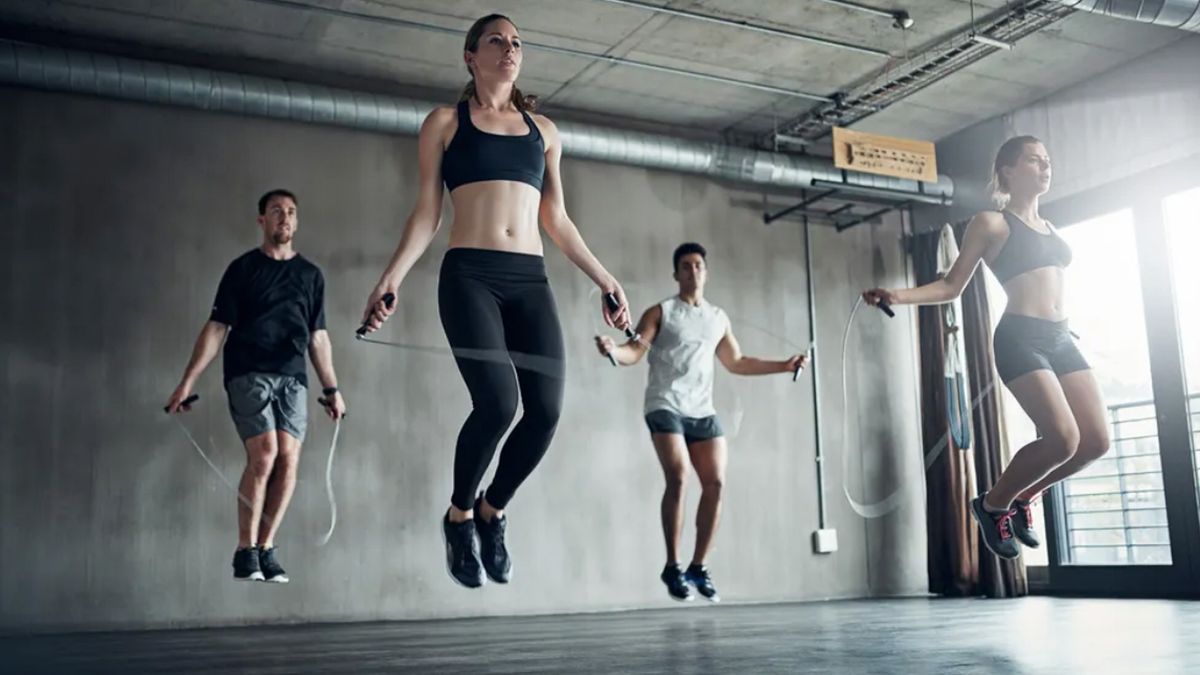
<point>271,569</point>
<point>677,586</point>
<point>462,552</point>
<point>246,566</point>
<point>1022,523</point>
<point>698,576</point>
<point>997,530</point>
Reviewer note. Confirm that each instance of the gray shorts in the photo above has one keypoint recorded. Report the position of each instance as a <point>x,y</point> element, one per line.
<point>693,429</point>
<point>262,402</point>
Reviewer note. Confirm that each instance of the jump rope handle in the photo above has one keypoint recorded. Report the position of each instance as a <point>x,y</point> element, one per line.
<point>614,306</point>
<point>327,403</point>
<point>388,299</point>
<point>187,401</point>
<point>796,372</point>
<point>886,308</point>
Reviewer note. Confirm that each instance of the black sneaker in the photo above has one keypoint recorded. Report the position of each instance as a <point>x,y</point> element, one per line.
<point>492,551</point>
<point>271,570</point>
<point>462,552</point>
<point>245,565</point>
<point>698,576</point>
<point>1022,524</point>
<point>677,586</point>
<point>997,530</point>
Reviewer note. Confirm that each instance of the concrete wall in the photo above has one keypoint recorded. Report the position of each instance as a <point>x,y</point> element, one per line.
<point>1129,120</point>
<point>117,222</point>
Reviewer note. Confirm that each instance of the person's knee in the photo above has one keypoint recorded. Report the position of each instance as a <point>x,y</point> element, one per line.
<point>288,458</point>
<point>498,408</point>
<point>1062,439</point>
<point>543,412</point>
<point>676,477</point>
<point>261,459</point>
<point>713,485</point>
<point>1094,442</point>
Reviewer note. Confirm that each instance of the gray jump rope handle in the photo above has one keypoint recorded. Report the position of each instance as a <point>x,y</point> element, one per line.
<point>187,401</point>
<point>614,305</point>
<point>388,299</point>
<point>883,306</point>
<point>796,372</point>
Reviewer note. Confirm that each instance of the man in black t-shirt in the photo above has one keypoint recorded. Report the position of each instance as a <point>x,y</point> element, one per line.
<point>271,305</point>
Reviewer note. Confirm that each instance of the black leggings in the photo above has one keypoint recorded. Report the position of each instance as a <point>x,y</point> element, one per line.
<point>496,306</point>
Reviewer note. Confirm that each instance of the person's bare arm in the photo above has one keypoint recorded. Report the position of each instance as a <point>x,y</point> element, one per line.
<point>423,222</point>
<point>565,235</point>
<point>633,351</point>
<point>985,230</point>
<point>208,345</point>
<point>729,352</point>
<point>320,351</point>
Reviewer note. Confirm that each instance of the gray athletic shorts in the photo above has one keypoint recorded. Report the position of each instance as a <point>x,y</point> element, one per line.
<point>693,429</point>
<point>262,402</point>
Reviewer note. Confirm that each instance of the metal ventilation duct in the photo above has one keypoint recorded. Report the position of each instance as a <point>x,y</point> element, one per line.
<point>56,69</point>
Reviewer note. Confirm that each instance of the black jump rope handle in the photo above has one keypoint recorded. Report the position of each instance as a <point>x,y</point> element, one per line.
<point>187,401</point>
<point>328,403</point>
<point>388,299</point>
<point>614,305</point>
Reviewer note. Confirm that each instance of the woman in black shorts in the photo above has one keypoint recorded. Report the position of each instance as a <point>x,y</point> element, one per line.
<point>1034,350</point>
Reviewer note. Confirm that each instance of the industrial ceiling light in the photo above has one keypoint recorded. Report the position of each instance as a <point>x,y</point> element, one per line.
<point>785,139</point>
<point>900,18</point>
<point>991,42</point>
<point>983,39</point>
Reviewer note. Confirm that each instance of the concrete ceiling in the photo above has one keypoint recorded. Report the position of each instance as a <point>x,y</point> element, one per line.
<point>293,41</point>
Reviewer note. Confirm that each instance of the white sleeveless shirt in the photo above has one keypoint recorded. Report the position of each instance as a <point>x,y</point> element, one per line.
<point>681,358</point>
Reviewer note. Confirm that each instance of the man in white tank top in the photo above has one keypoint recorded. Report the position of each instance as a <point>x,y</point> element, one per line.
<point>681,335</point>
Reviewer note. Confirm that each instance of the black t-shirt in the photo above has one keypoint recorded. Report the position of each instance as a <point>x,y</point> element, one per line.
<point>272,307</point>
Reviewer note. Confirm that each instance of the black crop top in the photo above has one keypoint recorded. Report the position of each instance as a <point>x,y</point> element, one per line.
<point>1027,249</point>
<point>475,155</point>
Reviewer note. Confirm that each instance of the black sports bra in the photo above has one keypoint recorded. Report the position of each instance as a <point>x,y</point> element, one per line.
<point>475,155</point>
<point>1027,249</point>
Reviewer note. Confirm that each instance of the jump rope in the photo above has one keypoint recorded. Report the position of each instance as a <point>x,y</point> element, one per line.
<point>551,367</point>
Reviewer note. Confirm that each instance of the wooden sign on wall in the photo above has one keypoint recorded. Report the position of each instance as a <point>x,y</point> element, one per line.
<point>884,155</point>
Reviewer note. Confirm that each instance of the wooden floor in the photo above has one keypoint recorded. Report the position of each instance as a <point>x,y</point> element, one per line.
<point>1031,635</point>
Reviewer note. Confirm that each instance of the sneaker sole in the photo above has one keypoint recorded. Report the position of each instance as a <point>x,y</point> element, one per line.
<point>449,573</point>
<point>489,575</point>
<point>975,506</point>
<point>281,579</point>
<point>711,598</point>
<point>499,581</point>
<point>687,598</point>
<point>1027,544</point>
<point>254,576</point>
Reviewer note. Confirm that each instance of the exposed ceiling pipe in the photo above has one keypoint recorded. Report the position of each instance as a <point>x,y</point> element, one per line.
<point>56,69</point>
<point>1181,14</point>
